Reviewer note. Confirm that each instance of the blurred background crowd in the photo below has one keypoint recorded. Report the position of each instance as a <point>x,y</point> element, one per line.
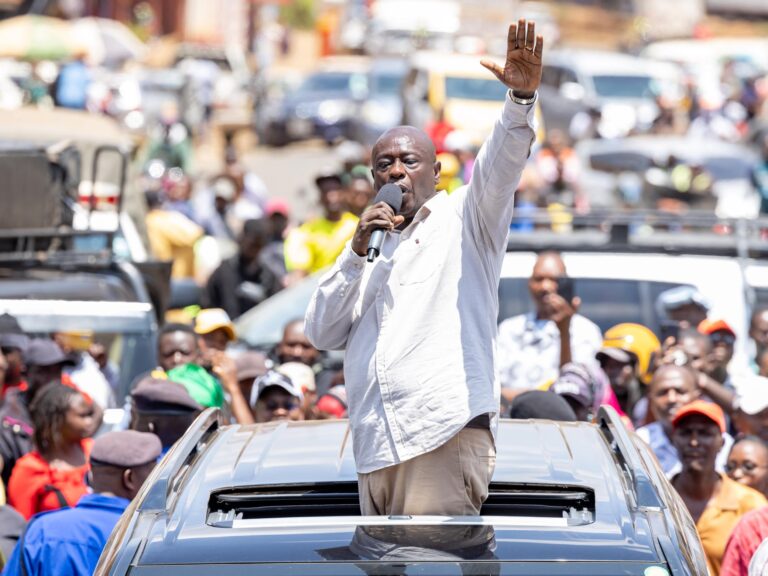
<point>222,159</point>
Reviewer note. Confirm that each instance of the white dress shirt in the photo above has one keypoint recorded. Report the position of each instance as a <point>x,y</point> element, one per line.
<point>529,349</point>
<point>419,324</point>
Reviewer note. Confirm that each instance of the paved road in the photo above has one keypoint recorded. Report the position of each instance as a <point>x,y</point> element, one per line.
<point>289,172</point>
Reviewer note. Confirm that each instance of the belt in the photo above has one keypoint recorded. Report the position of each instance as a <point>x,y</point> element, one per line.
<point>481,421</point>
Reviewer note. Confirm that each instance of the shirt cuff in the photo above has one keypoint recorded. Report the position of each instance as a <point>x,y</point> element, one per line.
<point>518,114</point>
<point>350,263</point>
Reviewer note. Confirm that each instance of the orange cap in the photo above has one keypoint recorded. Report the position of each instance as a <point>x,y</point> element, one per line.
<point>708,409</point>
<point>711,326</point>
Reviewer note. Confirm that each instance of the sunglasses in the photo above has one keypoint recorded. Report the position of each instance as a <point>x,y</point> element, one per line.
<point>288,405</point>
<point>722,338</point>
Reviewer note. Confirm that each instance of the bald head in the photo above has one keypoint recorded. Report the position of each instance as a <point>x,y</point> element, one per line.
<point>543,281</point>
<point>406,156</point>
<point>672,387</point>
<point>418,137</point>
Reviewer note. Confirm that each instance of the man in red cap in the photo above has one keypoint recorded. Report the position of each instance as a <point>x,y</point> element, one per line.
<point>716,502</point>
<point>723,338</point>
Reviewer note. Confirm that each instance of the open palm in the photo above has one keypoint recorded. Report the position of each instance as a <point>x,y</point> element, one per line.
<point>522,68</point>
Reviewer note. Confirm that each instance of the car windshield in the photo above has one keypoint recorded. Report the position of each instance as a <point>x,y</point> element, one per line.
<point>386,84</point>
<point>606,302</point>
<point>624,86</point>
<point>444,568</point>
<point>328,82</point>
<point>474,89</point>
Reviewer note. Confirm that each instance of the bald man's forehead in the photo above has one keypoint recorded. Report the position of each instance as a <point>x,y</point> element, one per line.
<point>670,373</point>
<point>549,264</point>
<point>403,137</point>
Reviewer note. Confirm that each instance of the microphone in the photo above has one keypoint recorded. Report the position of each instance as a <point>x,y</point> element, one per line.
<point>393,196</point>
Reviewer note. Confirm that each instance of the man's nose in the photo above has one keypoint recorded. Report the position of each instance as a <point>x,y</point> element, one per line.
<point>737,473</point>
<point>397,170</point>
<point>549,286</point>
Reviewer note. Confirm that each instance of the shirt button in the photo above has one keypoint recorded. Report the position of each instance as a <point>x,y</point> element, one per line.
<point>417,240</point>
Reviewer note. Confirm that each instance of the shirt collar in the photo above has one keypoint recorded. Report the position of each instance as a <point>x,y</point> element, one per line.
<point>729,496</point>
<point>430,206</point>
<point>103,501</point>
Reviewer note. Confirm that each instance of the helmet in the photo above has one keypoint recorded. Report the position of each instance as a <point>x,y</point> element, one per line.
<point>636,339</point>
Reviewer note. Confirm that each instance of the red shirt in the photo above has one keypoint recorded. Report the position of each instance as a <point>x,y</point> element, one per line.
<point>745,538</point>
<point>27,487</point>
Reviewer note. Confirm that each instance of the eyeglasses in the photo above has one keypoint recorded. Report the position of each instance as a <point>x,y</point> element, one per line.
<point>746,467</point>
<point>722,338</point>
<point>287,405</point>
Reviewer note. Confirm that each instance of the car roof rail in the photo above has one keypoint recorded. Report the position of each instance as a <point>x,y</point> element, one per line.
<point>167,483</point>
<point>614,431</point>
<point>640,231</point>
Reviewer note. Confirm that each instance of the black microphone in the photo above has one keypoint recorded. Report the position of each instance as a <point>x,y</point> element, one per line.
<point>393,196</point>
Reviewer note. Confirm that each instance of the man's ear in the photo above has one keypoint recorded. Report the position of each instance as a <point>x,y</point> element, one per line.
<point>437,172</point>
<point>128,479</point>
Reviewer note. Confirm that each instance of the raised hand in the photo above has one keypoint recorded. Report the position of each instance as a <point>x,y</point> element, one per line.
<point>522,68</point>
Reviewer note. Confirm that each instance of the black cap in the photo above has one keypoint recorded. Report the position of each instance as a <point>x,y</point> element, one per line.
<point>45,352</point>
<point>541,404</point>
<point>126,449</point>
<point>158,395</point>
<point>11,334</point>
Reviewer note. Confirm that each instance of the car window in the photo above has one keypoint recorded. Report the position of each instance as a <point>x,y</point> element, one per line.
<point>619,86</point>
<point>474,89</point>
<point>386,84</point>
<point>761,298</point>
<point>332,82</point>
<point>606,302</point>
<point>728,168</point>
<point>550,76</point>
<point>567,76</point>
<point>620,162</point>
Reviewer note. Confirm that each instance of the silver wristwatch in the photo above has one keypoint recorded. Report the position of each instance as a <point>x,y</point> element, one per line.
<point>523,101</point>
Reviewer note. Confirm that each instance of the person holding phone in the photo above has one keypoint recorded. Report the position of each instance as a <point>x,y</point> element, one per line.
<point>533,347</point>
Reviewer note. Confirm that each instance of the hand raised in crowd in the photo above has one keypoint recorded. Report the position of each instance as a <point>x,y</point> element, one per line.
<point>225,370</point>
<point>561,310</point>
<point>522,68</point>
<point>380,216</point>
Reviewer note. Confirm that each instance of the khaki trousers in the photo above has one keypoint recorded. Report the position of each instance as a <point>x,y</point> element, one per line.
<point>452,480</point>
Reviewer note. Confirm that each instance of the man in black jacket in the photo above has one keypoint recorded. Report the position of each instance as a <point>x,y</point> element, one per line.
<point>245,279</point>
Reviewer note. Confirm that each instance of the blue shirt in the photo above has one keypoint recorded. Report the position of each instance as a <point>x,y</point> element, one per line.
<point>68,542</point>
<point>666,453</point>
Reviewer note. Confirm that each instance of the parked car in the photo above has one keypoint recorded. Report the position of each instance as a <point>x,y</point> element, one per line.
<point>383,106</point>
<point>622,88</point>
<point>469,97</point>
<point>281,498</point>
<point>617,277</point>
<point>322,105</point>
<point>608,166</point>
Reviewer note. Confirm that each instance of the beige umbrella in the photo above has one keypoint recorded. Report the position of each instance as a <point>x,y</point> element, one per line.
<point>108,42</point>
<point>37,38</point>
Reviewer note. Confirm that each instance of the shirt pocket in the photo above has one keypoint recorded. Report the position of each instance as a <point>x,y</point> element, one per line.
<point>420,262</point>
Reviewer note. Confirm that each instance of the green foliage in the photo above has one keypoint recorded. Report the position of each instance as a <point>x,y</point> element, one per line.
<point>298,14</point>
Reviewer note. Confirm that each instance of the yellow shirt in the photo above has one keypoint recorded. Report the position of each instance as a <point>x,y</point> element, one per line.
<point>172,236</point>
<point>316,244</point>
<point>720,517</point>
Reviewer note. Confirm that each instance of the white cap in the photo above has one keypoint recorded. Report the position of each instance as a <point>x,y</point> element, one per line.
<point>753,393</point>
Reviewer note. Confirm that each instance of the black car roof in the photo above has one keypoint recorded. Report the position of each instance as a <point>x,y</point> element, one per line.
<point>250,494</point>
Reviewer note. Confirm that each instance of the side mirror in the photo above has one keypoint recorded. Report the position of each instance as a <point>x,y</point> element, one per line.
<point>572,91</point>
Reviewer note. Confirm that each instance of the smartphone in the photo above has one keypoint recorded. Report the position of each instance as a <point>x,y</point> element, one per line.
<point>669,328</point>
<point>565,288</point>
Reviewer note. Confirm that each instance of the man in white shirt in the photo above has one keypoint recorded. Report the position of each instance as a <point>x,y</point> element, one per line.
<point>532,347</point>
<point>419,324</point>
